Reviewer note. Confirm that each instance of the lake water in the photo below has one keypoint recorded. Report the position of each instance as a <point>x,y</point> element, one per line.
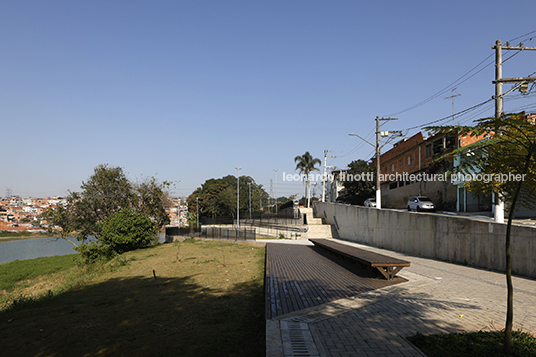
<point>38,247</point>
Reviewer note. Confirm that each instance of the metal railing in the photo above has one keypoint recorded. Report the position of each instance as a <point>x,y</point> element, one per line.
<point>210,232</point>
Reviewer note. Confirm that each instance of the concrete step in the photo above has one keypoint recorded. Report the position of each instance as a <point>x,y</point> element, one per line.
<point>319,231</point>
<point>316,226</point>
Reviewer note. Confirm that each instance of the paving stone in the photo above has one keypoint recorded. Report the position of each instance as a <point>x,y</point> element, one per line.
<point>437,298</point>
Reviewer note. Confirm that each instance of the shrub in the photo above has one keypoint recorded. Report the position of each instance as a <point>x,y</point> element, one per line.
<point>93,252</point>
<point>121,232</point>
<point>128,230</point>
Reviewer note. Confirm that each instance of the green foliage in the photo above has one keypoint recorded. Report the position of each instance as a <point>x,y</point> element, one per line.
<point>94,252</point>
<point>306,164</point>
<point>151,200</point>
<point>107,192</point>
<point>121,232</point>
<point>507,146</point>
<point>60,221</point>
<point>474,344</point>
<point>362,189</point>
<point>128,230</point>
<point>217,197</point>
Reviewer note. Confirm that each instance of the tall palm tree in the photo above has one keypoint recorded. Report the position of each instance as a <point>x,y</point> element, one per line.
<point>306,164</point>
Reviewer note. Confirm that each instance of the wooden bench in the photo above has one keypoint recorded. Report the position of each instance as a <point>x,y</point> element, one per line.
<point>388,266</point>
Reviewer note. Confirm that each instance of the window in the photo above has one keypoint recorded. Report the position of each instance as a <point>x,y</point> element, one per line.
<point>428,151</point>
<point>392,167</point>
<point>409,160</point>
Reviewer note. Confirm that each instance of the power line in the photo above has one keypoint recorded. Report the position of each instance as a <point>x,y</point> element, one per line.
<point>524,36</point>
<point>450,116</point>
<point>459,80</point>
<point>450,86</point>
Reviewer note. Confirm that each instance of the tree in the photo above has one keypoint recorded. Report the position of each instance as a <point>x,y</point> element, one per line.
<point>217,197</point>
<point>107,192</point>
<point>359,190</point>
<point>509,149</point>
<point>306,164</point>
<point>152,199</point>
<point>60,221</point>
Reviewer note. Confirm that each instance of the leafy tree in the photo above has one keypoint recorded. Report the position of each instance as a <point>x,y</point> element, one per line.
<point>359,190</point>
<point>217,197</point>
<point>152,199</point>
<point>510,148</point>
<point>60,221</point>
<point>107,192</point>
<point>306,164</point>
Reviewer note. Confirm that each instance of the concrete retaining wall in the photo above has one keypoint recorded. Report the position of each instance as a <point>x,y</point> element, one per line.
<point>454,239</point>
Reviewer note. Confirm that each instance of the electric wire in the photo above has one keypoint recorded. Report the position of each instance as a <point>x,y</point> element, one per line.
<point>459,80</point>
<point>450,86</point>
<point>523,36</point>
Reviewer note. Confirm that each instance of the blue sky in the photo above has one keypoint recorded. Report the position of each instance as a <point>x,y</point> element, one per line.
<point>189,90</point>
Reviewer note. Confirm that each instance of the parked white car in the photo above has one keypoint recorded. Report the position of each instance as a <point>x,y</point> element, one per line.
<point>370,202</point>
<point>420,203</point>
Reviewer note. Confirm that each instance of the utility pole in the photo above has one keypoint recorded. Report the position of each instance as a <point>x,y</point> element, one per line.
<point>324,177</point>
<point>249,184</point>
<point>378,152</point>
<point>275,192</point>
<point>499,205</point>
<point>179,206</point>
<point>197,208</point>
<point>271,193</point>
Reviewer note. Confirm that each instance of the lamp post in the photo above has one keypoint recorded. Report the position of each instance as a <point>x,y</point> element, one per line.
<point>249,184</point>
<point>238,197</point>
<point>179,206</point>
<point>275,192</point>
<point>378,154</point>
<point>197,215</point>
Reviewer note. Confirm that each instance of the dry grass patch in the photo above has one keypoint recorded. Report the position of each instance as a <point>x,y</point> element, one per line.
<point>210,303</point>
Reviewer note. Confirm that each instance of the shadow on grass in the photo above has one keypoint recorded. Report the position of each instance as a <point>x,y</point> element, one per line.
<point>135,317</point>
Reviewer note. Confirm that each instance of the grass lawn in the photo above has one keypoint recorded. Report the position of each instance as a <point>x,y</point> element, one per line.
<point>211,303</point>
<point>20,273</point>
<point>475,344</point>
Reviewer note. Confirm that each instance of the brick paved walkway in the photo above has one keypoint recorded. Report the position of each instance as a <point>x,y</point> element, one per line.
<point>439,297</point>
<point>299,277</point>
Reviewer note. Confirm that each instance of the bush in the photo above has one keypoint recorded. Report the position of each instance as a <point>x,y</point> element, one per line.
<point>128,230</point>
<point>121,232</point>
<point>93,252</point>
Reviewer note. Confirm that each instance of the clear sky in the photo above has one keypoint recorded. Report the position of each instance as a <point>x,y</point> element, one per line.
<point>189,90</point>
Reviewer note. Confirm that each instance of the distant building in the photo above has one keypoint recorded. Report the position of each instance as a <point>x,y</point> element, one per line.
<point>409,169</point>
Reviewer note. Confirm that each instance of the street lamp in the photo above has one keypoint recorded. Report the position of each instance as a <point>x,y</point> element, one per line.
<point>378,152</point>
<point>179,206</point>
<point>275,192</point>
<point>197,215</point>
<point>249,184</point>
<point>238,197</point>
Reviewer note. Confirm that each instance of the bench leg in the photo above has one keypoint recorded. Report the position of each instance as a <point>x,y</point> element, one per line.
<point>389,272</point>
